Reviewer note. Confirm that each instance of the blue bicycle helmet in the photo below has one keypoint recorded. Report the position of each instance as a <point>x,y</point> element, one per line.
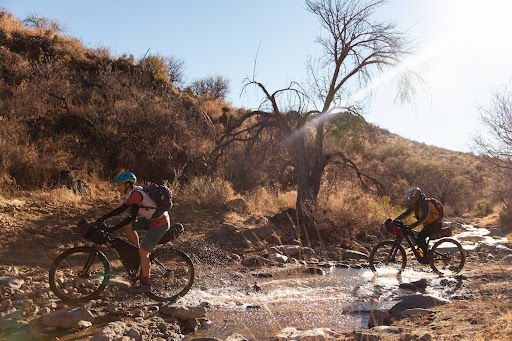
<point>126,177</point>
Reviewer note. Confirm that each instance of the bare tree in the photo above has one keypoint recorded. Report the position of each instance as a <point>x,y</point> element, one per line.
<point>496,144</point>
<point>356,50</point>
<point>213,86</point>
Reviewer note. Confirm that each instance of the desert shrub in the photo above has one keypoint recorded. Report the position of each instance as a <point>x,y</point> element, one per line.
<point>209,192</point>
<point>267,201</point>
<point>352,211</point>
<point>505,216</point>
<point>482,208</point>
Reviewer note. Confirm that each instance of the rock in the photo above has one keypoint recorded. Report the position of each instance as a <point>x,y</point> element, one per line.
<point>356,255</point>
<point>424,337</point>
<point>120,283</point>
<point>386,330</point>
<point>417,301</point>
<point>292,334</point>
<point>236,337</point>
<point>379,318</point>
<point>183,312</point>
<point>507,259</point>
<point>68,318</point>
<point>277,257</point>
<point>11,282</point>
<point>314,271</point>
<point>415,311</point>
<point>237,205</point>
<point>420,284</point>
<point>290,250</point>
<point>494,232</point>
<point>206,339</point>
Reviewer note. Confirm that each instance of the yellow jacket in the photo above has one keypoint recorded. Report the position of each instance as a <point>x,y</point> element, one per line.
<point>424,211</point>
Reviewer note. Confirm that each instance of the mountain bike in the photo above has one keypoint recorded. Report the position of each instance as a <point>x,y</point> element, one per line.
<point>447,257</point>
<point>81,273</point>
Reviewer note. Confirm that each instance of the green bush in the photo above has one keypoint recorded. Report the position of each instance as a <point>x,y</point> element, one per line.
<point>482,208</point>
<point>506,216</point>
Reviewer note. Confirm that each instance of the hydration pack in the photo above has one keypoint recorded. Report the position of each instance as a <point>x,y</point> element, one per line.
<point>162,196</point>
<point>439,208</point>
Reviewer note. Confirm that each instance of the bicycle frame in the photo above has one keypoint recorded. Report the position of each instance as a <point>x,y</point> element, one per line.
<point>411,239</point>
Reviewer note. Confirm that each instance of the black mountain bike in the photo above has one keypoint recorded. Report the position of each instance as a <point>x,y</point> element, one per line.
<point>82,273</point>
<point>447,257</point>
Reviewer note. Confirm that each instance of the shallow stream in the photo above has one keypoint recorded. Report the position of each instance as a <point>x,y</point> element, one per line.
<point>341,299</point>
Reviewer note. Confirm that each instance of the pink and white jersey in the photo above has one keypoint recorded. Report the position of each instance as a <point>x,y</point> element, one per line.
<point>146,206</point>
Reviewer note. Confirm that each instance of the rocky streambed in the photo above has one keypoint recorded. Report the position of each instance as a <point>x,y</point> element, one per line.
<point>287,293</point>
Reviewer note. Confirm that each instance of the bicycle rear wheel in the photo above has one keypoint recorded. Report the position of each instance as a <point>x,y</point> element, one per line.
<point>447,257</point>
<point>387,258</point>
<point>172,274</point>
<point>79,274</point>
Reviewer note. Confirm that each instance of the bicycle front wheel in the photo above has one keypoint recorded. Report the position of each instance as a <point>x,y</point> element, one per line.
<point>447,257</point>
<point>387,258</point>
<point>79,274</point>
<point>172,274</point>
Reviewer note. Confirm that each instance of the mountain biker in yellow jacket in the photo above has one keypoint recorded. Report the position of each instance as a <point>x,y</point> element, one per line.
<point>426,214</point>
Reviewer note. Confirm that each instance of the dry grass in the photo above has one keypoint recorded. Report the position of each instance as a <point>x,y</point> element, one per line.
<point>264,201</point>
<point>209,192</point>
<point>61,195</point>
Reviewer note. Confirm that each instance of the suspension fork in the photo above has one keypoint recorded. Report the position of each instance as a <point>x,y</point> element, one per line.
<point>90,261</point>
<point>411,245</point>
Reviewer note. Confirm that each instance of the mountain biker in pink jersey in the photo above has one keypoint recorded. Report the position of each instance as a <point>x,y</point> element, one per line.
<point>426,214</point>
<point>141,208</point>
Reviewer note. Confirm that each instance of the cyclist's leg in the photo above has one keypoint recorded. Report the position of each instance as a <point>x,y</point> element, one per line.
<point>422,239</point>
<point>132,234</point>
<point>150,241</point>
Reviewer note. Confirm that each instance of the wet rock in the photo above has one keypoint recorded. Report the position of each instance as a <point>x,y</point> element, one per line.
<point>356,255</point>
<point>379,318</point>
<point>314,271</point>
<point>417,301</point>
<point>416,311</point>
<point>206,339</point>
<point>68,318</point>
<point>494,232</point>
<point>183,312</point>
<point>420,284</point>
<point>291,333</point>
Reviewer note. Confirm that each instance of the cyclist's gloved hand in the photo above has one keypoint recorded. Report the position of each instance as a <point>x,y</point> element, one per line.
<point>99,221</point>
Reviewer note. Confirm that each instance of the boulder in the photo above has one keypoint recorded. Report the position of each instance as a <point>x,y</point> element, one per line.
<point>183,312</point>
<point>417,301</point>
<point>68,318</point>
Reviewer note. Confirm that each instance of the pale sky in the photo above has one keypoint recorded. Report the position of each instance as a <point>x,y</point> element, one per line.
<point>464,50</point>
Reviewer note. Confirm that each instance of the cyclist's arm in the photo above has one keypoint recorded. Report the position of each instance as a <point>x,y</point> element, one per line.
<point>134,212</point>
<point>425,209</point>
<point>115,212</point>
<point>404,215</point>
